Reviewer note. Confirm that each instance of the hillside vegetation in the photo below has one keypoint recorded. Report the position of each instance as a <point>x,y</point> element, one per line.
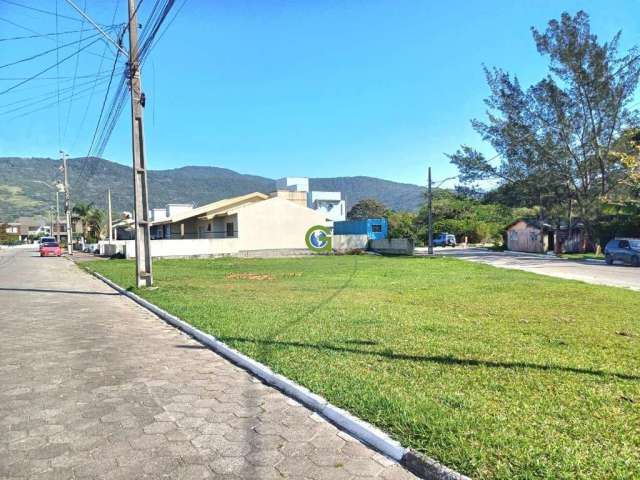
<point>21,192</point>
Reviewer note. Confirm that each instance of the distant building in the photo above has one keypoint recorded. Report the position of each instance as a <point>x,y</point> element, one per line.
<point>532,236</point>
<point>330,204</point>
<point>373,228</point>
<point>25,227</point>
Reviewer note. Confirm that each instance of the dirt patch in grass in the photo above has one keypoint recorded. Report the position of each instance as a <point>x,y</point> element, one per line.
<point>249,276</point>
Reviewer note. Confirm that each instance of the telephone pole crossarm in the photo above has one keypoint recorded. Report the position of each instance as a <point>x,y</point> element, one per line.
<point>97,27</point>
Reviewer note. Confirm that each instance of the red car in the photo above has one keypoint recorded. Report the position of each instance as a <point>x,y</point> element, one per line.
<point>50,250</point>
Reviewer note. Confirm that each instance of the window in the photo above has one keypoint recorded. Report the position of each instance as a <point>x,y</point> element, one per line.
<point>208,227</point>
<point>230,229</point>
<point>623,244</point>
<point>376,227</point>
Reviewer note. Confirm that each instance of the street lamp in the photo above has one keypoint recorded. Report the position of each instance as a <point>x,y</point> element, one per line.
<point>59,188</point>
<point>430,209</point>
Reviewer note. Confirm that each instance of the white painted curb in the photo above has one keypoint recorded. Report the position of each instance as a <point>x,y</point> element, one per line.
<point>352,425</point>
<point>357,428</point>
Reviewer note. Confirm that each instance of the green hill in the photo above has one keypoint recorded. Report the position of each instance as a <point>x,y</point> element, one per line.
<point>22,191</point>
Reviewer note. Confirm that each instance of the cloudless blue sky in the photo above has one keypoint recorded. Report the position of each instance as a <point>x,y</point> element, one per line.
<point>312,88</point>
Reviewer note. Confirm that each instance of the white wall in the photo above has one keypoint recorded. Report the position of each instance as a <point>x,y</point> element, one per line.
<point>342,243</point>
<point>295,184</point>
<point>276,224</point>
<point>175,248</point>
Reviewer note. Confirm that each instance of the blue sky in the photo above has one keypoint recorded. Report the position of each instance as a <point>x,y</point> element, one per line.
<point>312,88</point>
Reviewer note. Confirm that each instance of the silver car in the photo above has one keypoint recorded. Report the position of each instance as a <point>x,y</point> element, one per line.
<point>625,250</point>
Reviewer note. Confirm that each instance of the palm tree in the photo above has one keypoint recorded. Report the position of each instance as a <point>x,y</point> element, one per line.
<point>96,223</point>
<point>81,212</point>
<point>92,218</point>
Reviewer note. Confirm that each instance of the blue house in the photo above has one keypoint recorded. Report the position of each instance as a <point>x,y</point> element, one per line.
<point>374,228</point>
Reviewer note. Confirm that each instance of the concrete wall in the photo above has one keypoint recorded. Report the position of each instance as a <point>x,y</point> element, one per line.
<point>344,243</point>
<point>203,247</point>
<point>276,224</point>
<point>392,246</point>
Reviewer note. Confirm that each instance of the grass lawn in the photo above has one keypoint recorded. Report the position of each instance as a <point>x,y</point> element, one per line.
<point>496,373</point>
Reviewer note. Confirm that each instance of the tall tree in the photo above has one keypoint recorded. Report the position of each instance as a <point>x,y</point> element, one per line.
<point>554,139</point>
<point>367,208</point>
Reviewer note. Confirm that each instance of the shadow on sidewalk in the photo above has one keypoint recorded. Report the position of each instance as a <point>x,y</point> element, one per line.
<point>44,290</point>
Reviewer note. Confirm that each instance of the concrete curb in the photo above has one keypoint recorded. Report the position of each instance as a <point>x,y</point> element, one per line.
<point>418,464</point>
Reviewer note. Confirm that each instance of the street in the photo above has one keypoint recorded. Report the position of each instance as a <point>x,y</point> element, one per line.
<point>94,386</point>
<point>591,272</point>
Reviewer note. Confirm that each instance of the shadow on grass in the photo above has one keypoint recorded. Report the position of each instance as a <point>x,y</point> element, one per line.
<point>440,359</point>
<point>279,330</point>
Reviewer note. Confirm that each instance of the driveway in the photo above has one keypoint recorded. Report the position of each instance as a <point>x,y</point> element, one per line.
<point>587,271</point>
<point>94,386</point>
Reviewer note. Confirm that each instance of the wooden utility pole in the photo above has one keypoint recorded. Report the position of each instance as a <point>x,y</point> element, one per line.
<point>144,276</point>
<point>109,215</point>
<point>67,202</point>
<point>430,216</point>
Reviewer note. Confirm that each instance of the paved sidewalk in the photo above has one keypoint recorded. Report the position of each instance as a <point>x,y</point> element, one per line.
<point>94,386</point>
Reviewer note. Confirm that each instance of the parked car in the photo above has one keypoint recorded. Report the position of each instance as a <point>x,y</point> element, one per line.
<point>91,248</point>
<point>50,249</point>
<point>44,240</point>
<point>444,240</point>
<point>626,250</point>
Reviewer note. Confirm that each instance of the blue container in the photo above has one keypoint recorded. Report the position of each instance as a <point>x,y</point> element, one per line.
<point>374,228</point>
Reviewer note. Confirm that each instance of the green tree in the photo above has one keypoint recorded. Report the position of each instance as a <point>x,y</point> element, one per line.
<point>554,139</point>
<point>367,208</point>
<point>92,219</point>
<point>402,225</point>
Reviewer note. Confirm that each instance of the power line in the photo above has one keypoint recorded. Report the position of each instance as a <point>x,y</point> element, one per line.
<point>45,107</point>
<point>40,35</point>
<point>46,12</point>
<point>58,73</point>
<point>104,101</point>
<point>49,68</point>
<point>27,29</point>
<point>75,74</point>
<point>102,58</point>
<point>158,14</point>
<point>48,96</point>
<point>41,54</point>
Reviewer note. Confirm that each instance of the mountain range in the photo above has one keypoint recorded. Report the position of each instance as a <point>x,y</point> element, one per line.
<point>26,186</point>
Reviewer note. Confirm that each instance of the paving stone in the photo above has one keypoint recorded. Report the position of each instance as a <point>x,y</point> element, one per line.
<point>93,386</point>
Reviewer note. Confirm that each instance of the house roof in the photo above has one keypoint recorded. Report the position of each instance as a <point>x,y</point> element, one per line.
<point>212,209</point>
<point>531,222</point>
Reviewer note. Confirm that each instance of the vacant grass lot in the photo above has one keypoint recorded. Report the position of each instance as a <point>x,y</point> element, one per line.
<point>496,373</point>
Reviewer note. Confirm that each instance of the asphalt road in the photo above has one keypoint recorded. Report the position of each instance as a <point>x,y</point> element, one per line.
<point>94,386</point>
<point>591,272</point>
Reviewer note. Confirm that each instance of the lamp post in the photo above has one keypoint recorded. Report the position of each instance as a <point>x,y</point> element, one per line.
<point>430,188</point>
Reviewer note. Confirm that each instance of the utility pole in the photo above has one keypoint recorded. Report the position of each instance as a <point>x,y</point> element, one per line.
<point>109,215</point>
<point>67,202</point>
<point>430,219</point>
<point>51,219</point>
<point>58,213</point>
<point>144,276</point>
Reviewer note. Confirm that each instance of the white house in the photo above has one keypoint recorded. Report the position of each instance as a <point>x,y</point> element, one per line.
<point>253,224</point>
